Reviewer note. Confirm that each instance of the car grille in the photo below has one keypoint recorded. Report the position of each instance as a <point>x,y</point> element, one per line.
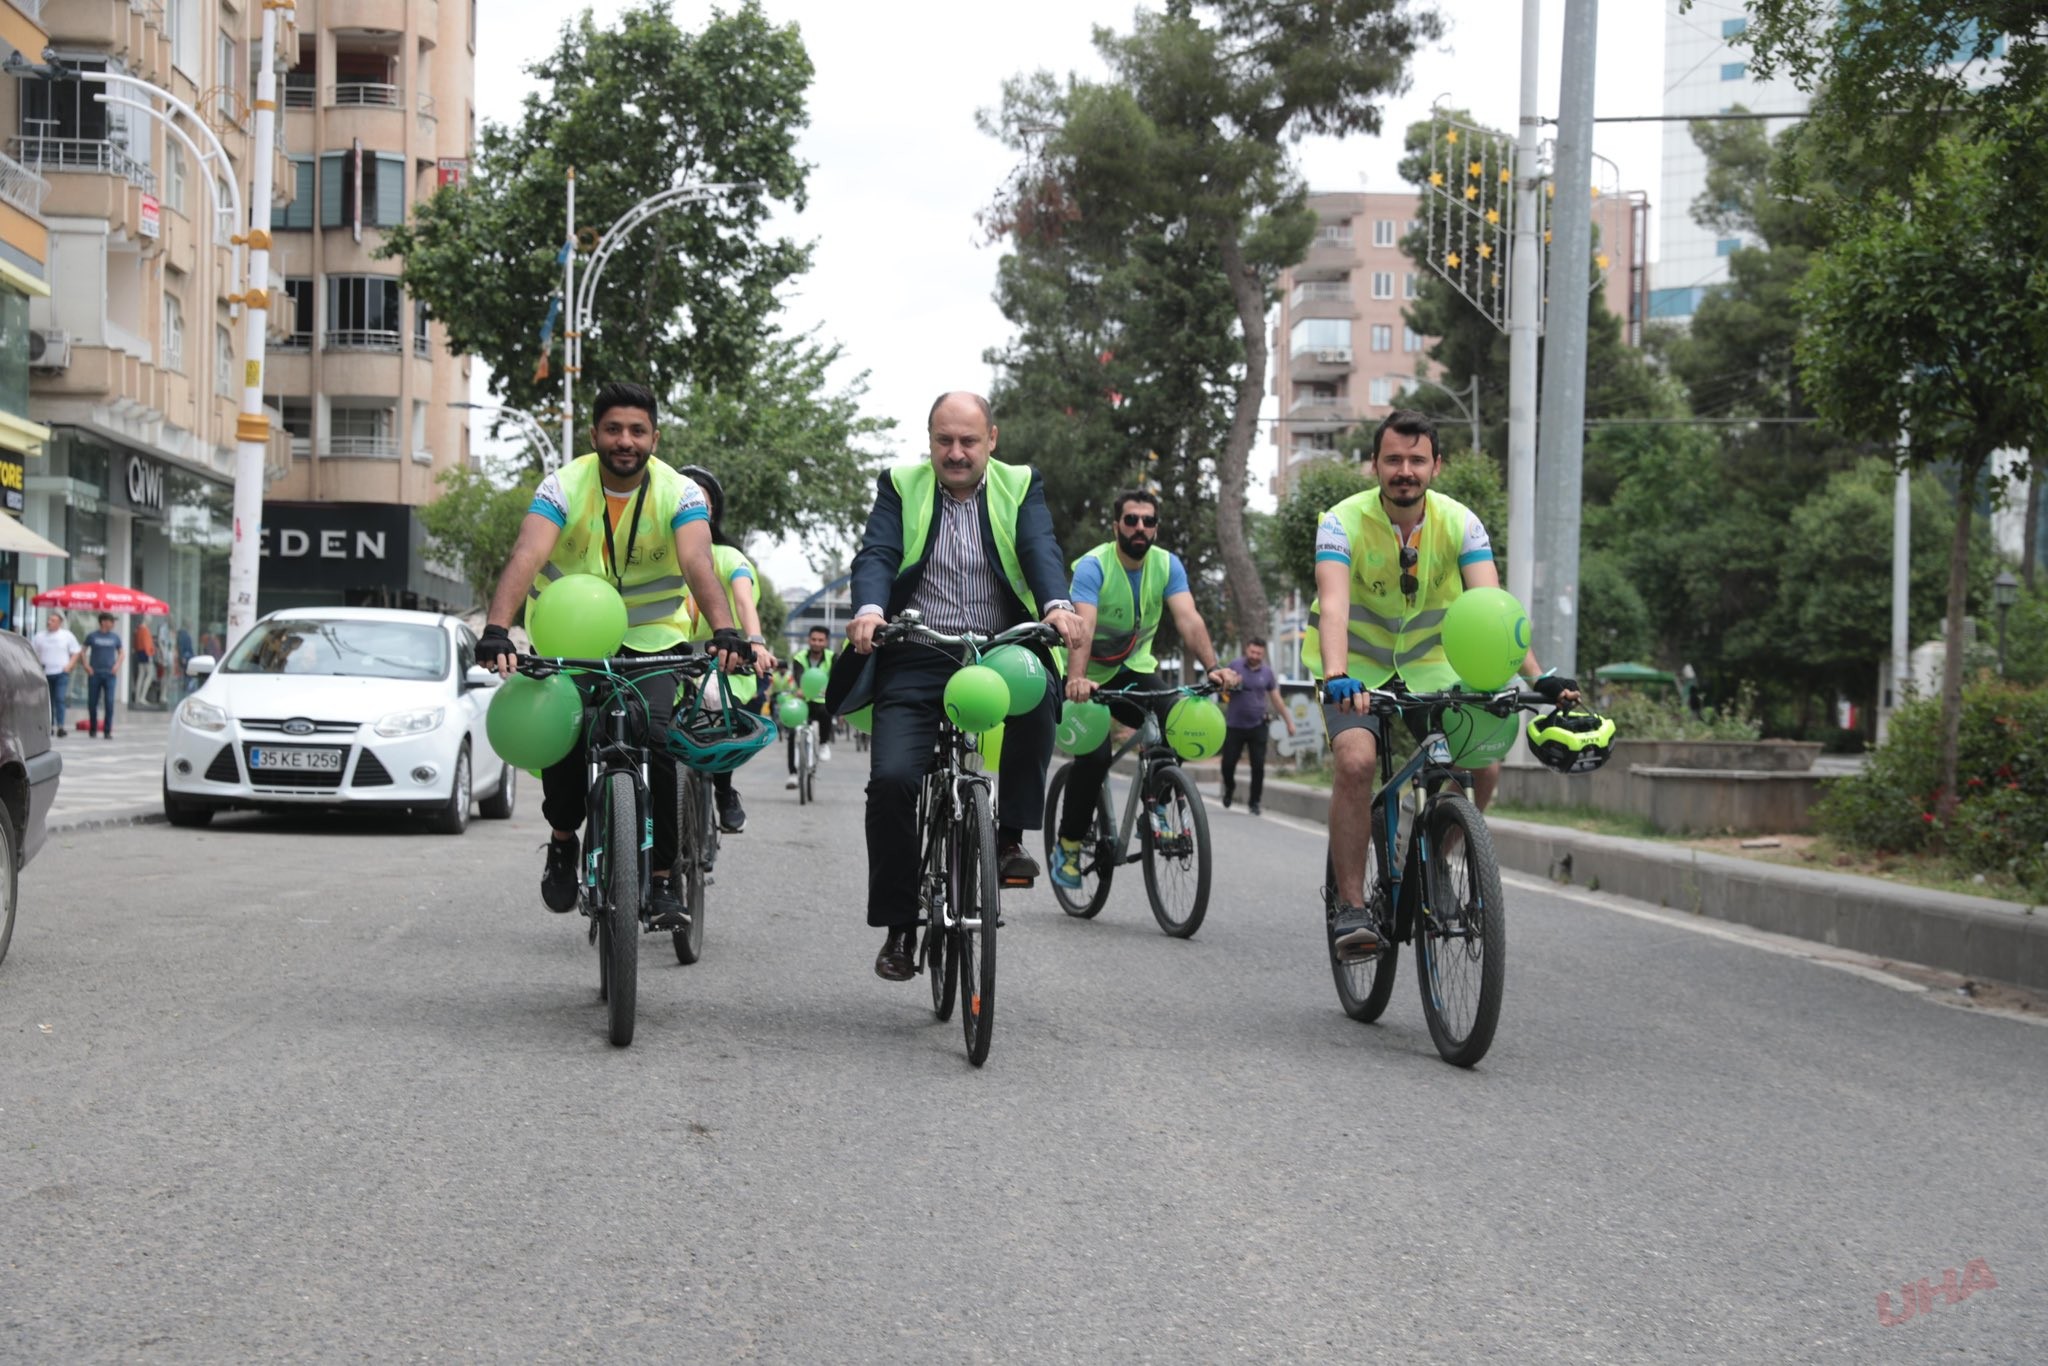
<point>276,723</point>
<point>223,769</point>
<point>370,771</point>
<point>286,780</point>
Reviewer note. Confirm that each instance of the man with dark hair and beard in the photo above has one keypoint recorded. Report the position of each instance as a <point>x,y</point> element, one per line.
<point>1123,589</point>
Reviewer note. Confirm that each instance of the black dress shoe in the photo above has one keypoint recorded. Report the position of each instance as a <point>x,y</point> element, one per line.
<point>897,962</point>
<point>1015,867</point>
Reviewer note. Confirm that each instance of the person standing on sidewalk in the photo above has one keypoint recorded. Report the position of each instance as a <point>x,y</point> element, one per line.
<point>1245,719</point>
<point>102,673</point>
<point>59,651</point>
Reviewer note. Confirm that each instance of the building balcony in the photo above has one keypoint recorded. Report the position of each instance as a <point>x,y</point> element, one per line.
<point>364,95</point>
<point>301,90</point>
<point>132,33</point>
<point>21,186</point>
<point>1315,292</point>
<point>1331,256</point>
<point>86,156</point>
<point>1323,363</point>
<point>364,115</point>
<point>371,16</point>
<point>107,375</point>
<point>363,339</point>
<point>360,448</point>
<point>1319,415</point>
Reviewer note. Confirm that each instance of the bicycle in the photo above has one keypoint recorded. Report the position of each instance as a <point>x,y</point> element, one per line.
<point>959,880</point>
<point>1173,839</point>
<point>806,763</point>
<point>1446,895</point>
<point>614,891</point>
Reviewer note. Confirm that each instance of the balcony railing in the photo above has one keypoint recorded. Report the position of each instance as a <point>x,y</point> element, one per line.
<point>301,89</point>
<point>422,346</point>
<point>294,341</point>
<point>1322,355</point>
<point>302,447</point>
<point>362,447</point>
<point>83,154</point>
<point>21,187</point>
<point>1327,407</point>
<point>363,339</point>
<point>1320,291</point>
<point>364,95</point>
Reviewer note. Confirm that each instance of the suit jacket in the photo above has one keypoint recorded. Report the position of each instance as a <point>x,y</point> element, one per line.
<point>877,578</point>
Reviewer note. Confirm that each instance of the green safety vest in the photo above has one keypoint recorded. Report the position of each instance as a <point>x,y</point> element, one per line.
<point>653,584</point>
<point>917,485</point>
<point>1388,636</point>
<point>1124,629</point>
<point>728,560</point>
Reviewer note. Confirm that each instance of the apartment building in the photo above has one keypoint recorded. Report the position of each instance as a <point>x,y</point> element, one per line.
<point>24,258</point>
<point>1342,350</point>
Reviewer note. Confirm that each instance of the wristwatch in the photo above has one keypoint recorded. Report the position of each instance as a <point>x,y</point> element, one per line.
<point>757,640</point>
<point>1059,605</point>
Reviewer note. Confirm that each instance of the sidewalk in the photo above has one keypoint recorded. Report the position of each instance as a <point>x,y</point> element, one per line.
<point>117,781</point>
<point>1996,940</point>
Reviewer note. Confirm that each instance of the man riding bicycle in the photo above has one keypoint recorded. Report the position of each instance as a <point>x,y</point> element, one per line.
<point>816,654</point>
<point>619,513</point>
<point>1389,562</point>
<point>1122,589</point>
<point>967,541</point>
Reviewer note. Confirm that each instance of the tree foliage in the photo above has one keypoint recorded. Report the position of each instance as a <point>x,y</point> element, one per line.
<point>632,108</point>
<point>473,522</point>
<point>1187,142</point>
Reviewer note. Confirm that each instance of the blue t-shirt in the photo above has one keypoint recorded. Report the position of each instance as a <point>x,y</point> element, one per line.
<point>100,649</point>
<point>1087,585</point>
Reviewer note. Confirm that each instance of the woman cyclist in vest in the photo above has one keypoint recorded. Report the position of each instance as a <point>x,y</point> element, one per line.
<point>1389,561</point>
<point>619,513</point>
<point>736,572</point>
<point>1122,589</point>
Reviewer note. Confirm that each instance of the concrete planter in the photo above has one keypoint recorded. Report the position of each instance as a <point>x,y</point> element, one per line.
<point>1671,784</point>
<point>1744,756</point>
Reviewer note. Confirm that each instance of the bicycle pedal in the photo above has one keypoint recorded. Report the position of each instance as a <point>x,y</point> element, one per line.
<point>1011,883</point>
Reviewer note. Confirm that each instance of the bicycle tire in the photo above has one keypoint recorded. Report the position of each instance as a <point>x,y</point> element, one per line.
<point>979,881</point>
<point>1364,985</point>
<point>804,753</point>
<point>1098,852</point>
<point>1461,935</point>
<point>1177,876</point>
<point>618,933</point>
<point>941,945</point>
<point>689,870</point>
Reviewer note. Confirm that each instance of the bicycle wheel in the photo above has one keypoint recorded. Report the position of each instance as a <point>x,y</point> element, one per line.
<point>1177,852</point>
<point>689,869</point>
<point>1098,850</point>
<point>805,764</point>
<point>1461,936</point>
<point>618,932</point>
<point>1364,985</point>
<point>978,882</point>
<point>941,944</point>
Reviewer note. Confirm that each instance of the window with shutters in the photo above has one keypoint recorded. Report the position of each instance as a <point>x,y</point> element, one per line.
<point>363,313</point>
<point>298,215</point>
<point>383,188</point>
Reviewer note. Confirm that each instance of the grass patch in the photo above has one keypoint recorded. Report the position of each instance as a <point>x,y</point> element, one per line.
<point>1584,818</point>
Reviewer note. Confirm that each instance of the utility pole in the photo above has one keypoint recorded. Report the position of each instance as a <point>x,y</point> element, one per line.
<point>569,331</point>
<point>1554,595</point>
<point>1901,681</point>
<point>1525,286</point>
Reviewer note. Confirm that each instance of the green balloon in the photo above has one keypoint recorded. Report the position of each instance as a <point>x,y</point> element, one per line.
<point>1022,673</point>
<point>792,711</point>
<point>812,684</point>
<point>534,722</point>
<point>1083,727</point>
<point>578,616</point>
<point>977,698</point>
<point>1486,637</point>
<point>1194,727</point>
<point>862,720</point>
<point>1477,737</point>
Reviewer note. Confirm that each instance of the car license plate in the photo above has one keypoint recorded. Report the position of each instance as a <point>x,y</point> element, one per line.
<point>273,758</point>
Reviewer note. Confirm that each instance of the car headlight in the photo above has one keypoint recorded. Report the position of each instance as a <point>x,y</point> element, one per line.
<point>202,715</point>
<point>411,722</point>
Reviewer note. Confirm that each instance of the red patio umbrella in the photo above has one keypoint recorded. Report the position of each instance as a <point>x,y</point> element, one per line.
<point>102,597</point>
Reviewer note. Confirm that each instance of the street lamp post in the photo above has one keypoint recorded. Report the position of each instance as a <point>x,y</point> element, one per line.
<point>1471,391</point>
<point>2005,591</point>
<point>529,425</point>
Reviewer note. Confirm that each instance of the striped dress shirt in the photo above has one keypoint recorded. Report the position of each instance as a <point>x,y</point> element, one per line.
<point>958,592</point>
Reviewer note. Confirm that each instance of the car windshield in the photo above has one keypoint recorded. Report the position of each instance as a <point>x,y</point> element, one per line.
<point>346,649</point>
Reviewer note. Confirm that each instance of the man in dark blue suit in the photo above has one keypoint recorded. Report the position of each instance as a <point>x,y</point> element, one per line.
<point>968,542</point>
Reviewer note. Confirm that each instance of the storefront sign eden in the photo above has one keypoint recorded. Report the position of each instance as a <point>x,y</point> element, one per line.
<point>294,543</point>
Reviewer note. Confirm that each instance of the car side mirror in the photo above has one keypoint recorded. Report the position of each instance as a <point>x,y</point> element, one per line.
<point>479,677</point>
<point>199,666</point>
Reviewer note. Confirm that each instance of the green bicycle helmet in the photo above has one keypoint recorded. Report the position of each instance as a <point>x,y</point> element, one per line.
<point>717,737</point>
<point>1571,740</point>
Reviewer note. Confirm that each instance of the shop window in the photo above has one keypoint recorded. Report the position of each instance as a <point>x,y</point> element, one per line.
<point>363,313</point>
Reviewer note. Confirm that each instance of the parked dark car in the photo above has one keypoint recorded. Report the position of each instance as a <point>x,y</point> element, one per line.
<point>28,769</point>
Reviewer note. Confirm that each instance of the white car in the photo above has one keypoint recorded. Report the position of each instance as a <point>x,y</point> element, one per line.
<point>340,706</point>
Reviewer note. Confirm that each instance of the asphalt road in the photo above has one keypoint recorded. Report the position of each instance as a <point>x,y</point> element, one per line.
<point>324,1088</point>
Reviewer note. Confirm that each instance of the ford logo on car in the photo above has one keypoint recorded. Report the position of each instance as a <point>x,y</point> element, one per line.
<point>298,725</point>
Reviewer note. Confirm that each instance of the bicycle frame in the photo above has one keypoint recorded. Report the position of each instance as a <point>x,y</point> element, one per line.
<point>1156,754</point>
<point>948,783</point>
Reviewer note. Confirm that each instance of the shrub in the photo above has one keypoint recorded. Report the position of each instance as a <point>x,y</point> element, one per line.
<point>1661,716</point>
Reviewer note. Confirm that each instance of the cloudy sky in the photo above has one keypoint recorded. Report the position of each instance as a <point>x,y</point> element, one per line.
<point>899,168</point>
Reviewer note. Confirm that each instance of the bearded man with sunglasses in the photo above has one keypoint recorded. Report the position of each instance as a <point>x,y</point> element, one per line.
<point>1389,562</point>
<point>1123,589</point>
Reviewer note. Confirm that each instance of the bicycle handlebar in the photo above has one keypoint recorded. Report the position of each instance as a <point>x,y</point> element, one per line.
<point>1207,687</point>
<point>909,626</point>
<point>1500,703</point>
<point>682,662</point>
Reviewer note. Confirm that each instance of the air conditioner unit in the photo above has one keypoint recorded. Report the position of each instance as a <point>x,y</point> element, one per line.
<point>48,349</point>
<point>1336,355</point>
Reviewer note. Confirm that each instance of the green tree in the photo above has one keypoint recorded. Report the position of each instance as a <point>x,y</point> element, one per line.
<point>1315,489</point>
<point>631,107</point>
<point>1188,139</point>
<point>1923,317</point>
<point>473,522</point>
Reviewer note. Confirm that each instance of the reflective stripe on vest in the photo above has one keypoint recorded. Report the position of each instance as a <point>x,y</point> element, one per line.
<point>1386,635</point>
<point>653,585</point>
<point>917,487</point>
<point>1124,630</point>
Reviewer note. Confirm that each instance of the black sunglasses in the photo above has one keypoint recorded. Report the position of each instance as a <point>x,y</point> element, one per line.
<point>1408,582</point>
<point>1133,519</point>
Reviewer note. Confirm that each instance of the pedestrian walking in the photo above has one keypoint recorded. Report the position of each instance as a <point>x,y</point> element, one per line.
<point>102,672</point>
<point>145,663</point>
<point>1245,720</point>
<point>59,650</point>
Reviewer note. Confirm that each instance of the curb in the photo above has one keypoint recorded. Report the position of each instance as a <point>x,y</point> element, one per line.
<point>105,820</point>
<point>1977,936</point>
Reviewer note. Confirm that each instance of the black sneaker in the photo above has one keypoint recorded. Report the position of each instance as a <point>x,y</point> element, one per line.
<point>1017,868</point>
<point>732,817</point>
<point>558,878</point>
<point>664,909</point>
<point>1355,933</point>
